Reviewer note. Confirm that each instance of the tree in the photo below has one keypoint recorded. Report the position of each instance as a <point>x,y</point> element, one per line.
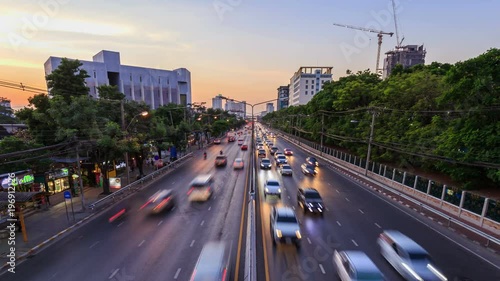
<point>40,123</point>
<point>108,92</point>
<point>68,80</point>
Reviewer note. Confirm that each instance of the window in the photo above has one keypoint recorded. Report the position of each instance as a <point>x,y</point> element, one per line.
<point>306,92</point>
<point>307,81</point>
<point>307,85</point>
<point>140,78</point>
<point>94,74</point>
<point>312,86</point>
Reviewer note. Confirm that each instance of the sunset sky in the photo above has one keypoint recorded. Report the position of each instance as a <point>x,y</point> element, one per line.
<point>243,49</point>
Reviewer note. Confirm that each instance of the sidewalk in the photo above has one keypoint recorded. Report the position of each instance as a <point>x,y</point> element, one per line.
<point>47,224</point>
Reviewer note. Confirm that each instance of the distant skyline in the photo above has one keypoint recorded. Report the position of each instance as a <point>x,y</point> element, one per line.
<point>242,49</point>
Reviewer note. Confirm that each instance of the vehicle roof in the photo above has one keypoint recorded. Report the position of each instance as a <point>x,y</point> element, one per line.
<point>281,156</point>
<point>202,179</point>
<point>272,180</point>
<point>210,260</point>
<point>285,211</point>
<point>361,261</point>
<point>221,157</point>
<point>285,166</point>
<point>405,242</point>
<point>238,159</point>
<point>265,159</point>
<point>310,190</point>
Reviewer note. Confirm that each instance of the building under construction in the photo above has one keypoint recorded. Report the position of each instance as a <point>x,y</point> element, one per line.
<point>407,56</point>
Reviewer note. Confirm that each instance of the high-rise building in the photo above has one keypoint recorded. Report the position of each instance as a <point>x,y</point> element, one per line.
<point>237,108</point>
<point>306,82</point>
<point>283,95</point>
<point>269,107</point>
<point>155,87</point>
<point>217,102</point>
<point>407,56</point>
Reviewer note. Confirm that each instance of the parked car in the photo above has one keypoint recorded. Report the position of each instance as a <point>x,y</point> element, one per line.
<point>310,200</point>
<point>308,169</point>
<point>221,161</point>
<point>356,266</point>
<point>272,187</point>
<point>285,170</point>
<point>285,226</point>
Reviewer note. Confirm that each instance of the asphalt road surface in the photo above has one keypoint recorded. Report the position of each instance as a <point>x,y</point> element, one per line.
<point>354,219</point>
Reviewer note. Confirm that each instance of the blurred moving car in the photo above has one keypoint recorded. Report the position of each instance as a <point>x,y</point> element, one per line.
<point>308,169</point>
<point>221,161</point>
<point>162,200</point>
<point>312,161</point>
<point>217,141</point>
<point>310,200</point>
<point>273,150</point>
<point>265,163</point>
<point>213,262</point>
<point>285,170</point>
<point>244,147</point>
<point>288,151</point>
<point>240,141</point>
<point>285,226</point>
<point>281,159</point>
<point>238,164</point>
<point>272,187</point>
<point>407,257</point>
<point>201,188</point>
<point>356,266</point>
<point>262,153</point>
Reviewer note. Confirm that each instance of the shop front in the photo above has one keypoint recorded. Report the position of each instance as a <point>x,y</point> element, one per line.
<point>58,180</point>
<point>21,180</point>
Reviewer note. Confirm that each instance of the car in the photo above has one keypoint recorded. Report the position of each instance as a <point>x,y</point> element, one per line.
<point>201,188</point>
<point>240,141</point>
<point>285,170</point>
<point>356,266</point>
<point>244,147</point>
<point>407,257</point>
<point>288,151</point>
<point>265,163</point>
<point>238,164</point>
<point>277,154</point>
<point>272,187</point>
<point>310,200</point>
<point>273,150</point>
<point>217,141</point>
<point>312,161</point>
<point>221,161</point>
<point>285,226</point>
<point>281,159</point>
<point>262,153</point>
<point>308,169</point>
<point>162,200</point>
<point>214,262</point>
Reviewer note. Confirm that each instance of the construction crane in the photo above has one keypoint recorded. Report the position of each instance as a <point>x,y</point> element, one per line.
<point>379,35</point>
<point>399,43</point>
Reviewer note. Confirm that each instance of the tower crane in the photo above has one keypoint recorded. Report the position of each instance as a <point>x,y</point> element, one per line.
<point>399,43</point>
<point>379,35</point>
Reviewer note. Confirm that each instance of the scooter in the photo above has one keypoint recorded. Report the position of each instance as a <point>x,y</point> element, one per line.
<point>205,156</point>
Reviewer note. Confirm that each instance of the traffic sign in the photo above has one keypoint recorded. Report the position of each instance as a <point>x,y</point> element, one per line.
<point>67,195</point>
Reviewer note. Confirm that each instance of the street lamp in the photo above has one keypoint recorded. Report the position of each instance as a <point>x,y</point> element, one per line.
<point>125,129</point>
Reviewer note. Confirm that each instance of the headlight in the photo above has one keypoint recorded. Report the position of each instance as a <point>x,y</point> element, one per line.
<point>267,189</point>
<point>279,190</point>
<point>278,233</point>
<point>297,233</point>
<point>310,204</point>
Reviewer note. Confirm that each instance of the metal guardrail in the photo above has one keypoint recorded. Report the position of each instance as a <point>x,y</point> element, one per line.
<point>450,219</point>
<point>250,254</point>
<point>138,184</point>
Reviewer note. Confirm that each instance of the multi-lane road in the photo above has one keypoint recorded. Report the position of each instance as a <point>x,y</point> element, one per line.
<point>166,247</point>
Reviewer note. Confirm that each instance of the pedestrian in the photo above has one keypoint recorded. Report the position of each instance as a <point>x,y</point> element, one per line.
<point>47,198</point>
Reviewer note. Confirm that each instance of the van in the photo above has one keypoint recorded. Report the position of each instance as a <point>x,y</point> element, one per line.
<point>213,263</point>
<point>201,188</point>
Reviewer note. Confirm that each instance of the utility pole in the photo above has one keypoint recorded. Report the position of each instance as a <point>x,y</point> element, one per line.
<point>370,143</point>
<point>124,128</point>
<point>80,175</point>
<point>322,125</point>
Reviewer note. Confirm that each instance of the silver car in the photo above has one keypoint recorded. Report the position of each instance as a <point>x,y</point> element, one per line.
<point>272,187</point>
<point>285,170</point>
<point>356,266</point>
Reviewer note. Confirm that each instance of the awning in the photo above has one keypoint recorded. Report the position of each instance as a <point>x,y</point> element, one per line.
<point>67,159</point>
<point>21,197</point>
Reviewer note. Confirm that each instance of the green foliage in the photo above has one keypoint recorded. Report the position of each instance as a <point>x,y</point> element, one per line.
<point>68,80</point>
<point>110,92</point>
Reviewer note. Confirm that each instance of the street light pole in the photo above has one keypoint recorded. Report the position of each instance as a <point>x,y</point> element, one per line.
<point>322,125</point>
<point>370,143</point>
<point>122,110</point>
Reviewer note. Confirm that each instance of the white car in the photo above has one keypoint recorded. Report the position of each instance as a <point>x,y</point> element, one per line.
<point>201,188</point>
<point>285,170</point>
<point>356,266</point>
<point>272,187</point>
<point>238,164</point>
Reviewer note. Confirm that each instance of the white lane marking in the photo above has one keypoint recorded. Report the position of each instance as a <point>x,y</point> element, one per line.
<point>215,197</point>
<point>339,223</point>
<point>173,182</point>
<point>80,237</point>
<point>288,197</point>
<point>347,199</point>
<point>142,242</point>
<point>160,223</point>
<point>202,222</point>
<point>337,190</point>
<point>309,240</point>
<point>329,184</point>
<point>120,224</point>
<point>354,242</point>
<point>54,275</point>
<point>192,243</point>
<point>293,207</point>
<point>114,273</point>
<point>361,211</point>
<point>92,246</point>
<point>173,208</point>
<point>209,208</point>
<point>322,269</point>
<point>177,273</point>
<point>378,225</point>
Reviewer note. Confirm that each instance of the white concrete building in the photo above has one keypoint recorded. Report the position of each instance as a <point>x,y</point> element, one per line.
<point>269,107</point>
<point>155,87</point>
<point>238,108</point>
<point>217,102</point>
<point>306,82</point>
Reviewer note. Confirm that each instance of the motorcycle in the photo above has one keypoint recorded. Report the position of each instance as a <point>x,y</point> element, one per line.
<point>205,156</point>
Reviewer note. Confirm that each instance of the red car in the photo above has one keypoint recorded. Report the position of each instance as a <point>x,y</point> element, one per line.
<point>287,151</point>
<point>244,147</point>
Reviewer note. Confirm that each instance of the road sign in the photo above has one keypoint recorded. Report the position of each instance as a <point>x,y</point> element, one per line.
<point>67,195</point>
<point>156,157</point>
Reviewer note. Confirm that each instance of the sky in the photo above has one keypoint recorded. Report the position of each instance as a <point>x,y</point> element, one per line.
<point>242,49</point>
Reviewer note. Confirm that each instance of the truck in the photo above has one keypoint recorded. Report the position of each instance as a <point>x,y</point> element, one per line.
<point>231,136</point>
